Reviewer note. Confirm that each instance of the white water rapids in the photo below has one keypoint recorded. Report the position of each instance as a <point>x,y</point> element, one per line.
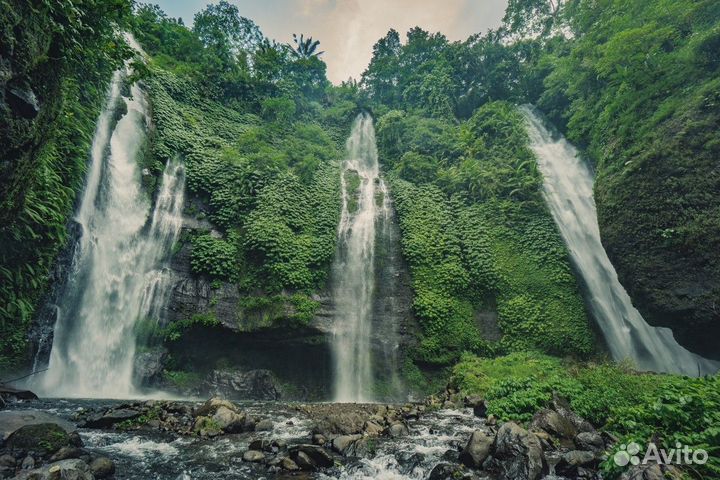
<point>568,190</point>
<point>118,276</point>
<point>354,267</point>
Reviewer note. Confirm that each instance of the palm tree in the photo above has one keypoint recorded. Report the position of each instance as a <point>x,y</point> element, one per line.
<point>305,47</point>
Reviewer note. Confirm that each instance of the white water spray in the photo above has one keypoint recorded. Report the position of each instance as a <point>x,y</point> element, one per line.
<point>354,269</point>
<point>119,276</point>
<point>569,192</point>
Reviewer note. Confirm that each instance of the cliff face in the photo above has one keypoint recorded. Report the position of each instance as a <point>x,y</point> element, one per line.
<point>296,355</point>
<point>659,220</point>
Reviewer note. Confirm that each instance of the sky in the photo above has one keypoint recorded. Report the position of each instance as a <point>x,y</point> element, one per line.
<point>347,29</point>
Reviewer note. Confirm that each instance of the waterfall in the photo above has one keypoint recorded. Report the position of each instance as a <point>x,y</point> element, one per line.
<point>568,190</point>
<point>354,266</point>
<point>119,274</point>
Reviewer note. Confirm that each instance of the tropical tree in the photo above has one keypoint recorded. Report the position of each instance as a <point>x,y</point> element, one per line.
<point>305,47</point>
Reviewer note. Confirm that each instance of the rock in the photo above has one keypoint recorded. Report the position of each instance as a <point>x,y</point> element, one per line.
<point>477,449</point>
<point>149,366</point>
<point>449,471</point>
<point>319,439</point>
<point>228,421</point>
<point>11,421</point>
<point>7,461</point>
<point>342,443</point>
<point>102,467</point>
<point>66,452</point>
<point>28,463</point>
<point>477,403</point>
<point>22,102</point>
<point>317,456</point>
<point>111,417</point>
<point>398,429</point>
<point>253,384</point>
<point>571,461</point>
<point>45,438</point>
<point>286,463</point>
<point>518,453</point>
<point>262,445</point>
<point>206,427</point>
<point>592,441</point>
<point>651,471</point>
<point>562,406</point>
<point>253,456</point>
<point>73,469</point>
<point>210,407</point>
<point>373,428</point>
<point>265,425</point>
<point>553,423</point>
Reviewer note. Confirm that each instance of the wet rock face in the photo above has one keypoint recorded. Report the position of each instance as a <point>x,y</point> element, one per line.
<point>233,384</point>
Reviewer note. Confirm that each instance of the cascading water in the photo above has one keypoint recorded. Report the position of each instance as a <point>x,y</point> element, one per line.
<point>568,190</point>
<point>354,267</point>
<point>118,273</point>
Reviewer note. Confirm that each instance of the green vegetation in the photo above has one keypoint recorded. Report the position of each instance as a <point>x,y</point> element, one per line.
<point>478,237</point>
<point>62,54</point>
<point>633,406</point>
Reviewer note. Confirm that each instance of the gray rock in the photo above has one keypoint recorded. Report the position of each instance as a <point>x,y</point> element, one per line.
<point>592,441</point>
<point>149,366</point>
<point>286,463</point>
<point>554,424</point>
<point>66,452</point>
<point>578,458</point>
<point>265,425</point>
<point>262,445</point>
<point>102,467</point>
<point>228,420</point>
<point>342,443</point>
<point>210,407</point>
<point>253,384</point>
<point>477,449</point>
<point>317,456</point>
<point>7,461</point>
<point>651,471</point>
<point>562,406</point>
<point>111,417</point>
<point>518,453</point>
<point>45,438</point>
<point>253,456</point>
<point>23,102</point>
<point>319,439</point>
<point>28,463</point>
<point>15,419</point>
<point>73,469</point>
<point>398,429</point>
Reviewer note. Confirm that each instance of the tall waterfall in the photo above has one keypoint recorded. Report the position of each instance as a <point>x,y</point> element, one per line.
<point>118,275</point>
<point>568,190</point>
<point>354,267</point>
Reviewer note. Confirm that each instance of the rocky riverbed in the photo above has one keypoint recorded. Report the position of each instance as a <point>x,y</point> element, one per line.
<point>445,437</point>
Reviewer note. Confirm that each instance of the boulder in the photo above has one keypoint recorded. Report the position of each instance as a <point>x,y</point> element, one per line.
<point>342,443</point>
<point>651,471</point>
<point>477,403</point>
<point>210,407</point>
<point>228,420</point>
<point>553,423</point>
<point>517,453</point>
<point>23,102</point>
<point>236,384</point>
<point>262,445</point>
<point>7,466</point>
<point>398,429</point>
<point>207,427</point>
<point>73,469</point>
<point>477,449</point>
<point>10,421</point>
<point>102,467</point>
<point>372,428</point>
<point>562,406</point>
<point>316,457</point>
<point>286,463</point>
<point>67,452</point>
<point>44,438</point>
<point>572,461</point>
<point>450,471</point>
<point>265,425</point>
<point>111,417</point>
<point>592,441</point>
<point>253,456</point>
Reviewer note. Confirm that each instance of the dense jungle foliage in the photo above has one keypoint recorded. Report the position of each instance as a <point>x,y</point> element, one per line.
<point>260,131</point>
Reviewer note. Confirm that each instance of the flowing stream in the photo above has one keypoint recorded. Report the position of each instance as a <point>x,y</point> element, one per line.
<point>118,277</point>
<point>568,191</point>
<point>363,206</point>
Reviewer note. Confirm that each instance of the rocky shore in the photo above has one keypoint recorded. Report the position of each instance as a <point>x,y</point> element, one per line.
<point>456,438</point>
